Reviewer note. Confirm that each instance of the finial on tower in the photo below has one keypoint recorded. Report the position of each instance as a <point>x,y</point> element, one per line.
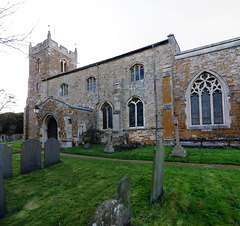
<point>49,33</point>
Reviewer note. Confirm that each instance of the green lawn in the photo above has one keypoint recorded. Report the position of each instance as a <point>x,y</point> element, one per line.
<point>68,193</point>
<point>195,155</point>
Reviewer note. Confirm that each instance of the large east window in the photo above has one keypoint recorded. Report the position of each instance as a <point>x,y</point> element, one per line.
<point>135,107</point>
<point>207,102</point>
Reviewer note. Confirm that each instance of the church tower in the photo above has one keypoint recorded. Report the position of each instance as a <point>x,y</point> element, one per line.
<point>46,59</point>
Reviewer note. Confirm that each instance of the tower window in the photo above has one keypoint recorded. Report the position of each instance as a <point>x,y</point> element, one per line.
<point>63,65</point>
<point>137,72</point>
<point>64,89</point>
<point>135,113</point>
<point>38,65</point>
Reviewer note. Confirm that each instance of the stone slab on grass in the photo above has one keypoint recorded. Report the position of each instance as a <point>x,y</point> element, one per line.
<point>3,208</point>
<point>6,160</point>
<point>51,152</point>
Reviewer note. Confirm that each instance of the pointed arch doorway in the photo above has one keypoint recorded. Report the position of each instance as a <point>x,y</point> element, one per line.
<point>52,128</point>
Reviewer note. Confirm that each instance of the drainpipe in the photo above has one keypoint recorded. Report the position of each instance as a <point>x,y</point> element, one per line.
<point>155,93</point>
<point>96,121</point>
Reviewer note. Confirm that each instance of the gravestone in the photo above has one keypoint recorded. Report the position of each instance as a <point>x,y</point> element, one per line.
<point>178,150</point>
<point>87,146</point>
<point>30,155</point>
<point>3,208</point>
<point>51,152</point>
<point>6,160</point>
<point>157,172</point>
<point>109,147</point>
<point>115,211</point>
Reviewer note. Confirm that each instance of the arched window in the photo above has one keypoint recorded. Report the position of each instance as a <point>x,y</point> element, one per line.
<point>137,72</point>
<point>63,65</point>
<point>38,65</point>
<point>207,101</point>
<point>107,116</point>
<point>135,113</point>
<point>64,89</point>
<point>91,84</point>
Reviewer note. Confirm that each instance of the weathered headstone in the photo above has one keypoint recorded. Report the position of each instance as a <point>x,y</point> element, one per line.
<point>157,172</point>
<point>87,146</point>
<point>115,211</point>
<point>3,208</point>
<point>30,155</point>
<point>51,152</point>
<point>6,160</point>
<point>178,150</point>
<point>109,147</point>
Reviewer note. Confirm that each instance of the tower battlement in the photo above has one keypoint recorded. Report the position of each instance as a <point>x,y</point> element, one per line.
<point>54,45</point>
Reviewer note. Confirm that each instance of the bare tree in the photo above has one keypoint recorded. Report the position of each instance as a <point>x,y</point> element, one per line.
<point>6,100</point>
<point>10,40</point>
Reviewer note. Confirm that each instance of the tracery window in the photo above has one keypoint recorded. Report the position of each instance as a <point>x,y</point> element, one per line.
<point>107,116</point>
<point>91,84</point>
<point>64,89</point>
<point>137,72</point>
<point>206,101</point>
<point>135,113</point>
<point>63,65</point>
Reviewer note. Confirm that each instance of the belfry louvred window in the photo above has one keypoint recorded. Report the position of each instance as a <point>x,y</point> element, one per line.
<point>135,113</point>
<point>63,65</point>
<point>137,72</point>
<point>107,116</point>
<point>206,101</point>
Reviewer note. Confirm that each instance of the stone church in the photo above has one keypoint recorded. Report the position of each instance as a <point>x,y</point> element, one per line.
<point>138,95</point>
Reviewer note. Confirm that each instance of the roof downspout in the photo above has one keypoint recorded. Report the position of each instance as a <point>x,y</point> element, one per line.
<point>155,94</point>
<point>96,120</point>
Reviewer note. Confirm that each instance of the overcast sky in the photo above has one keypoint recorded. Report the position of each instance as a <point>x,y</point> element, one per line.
<point>101,29</point>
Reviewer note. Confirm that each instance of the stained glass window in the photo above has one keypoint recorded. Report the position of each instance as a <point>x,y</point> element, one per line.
<point>135,113</point>
<point>107,116</point>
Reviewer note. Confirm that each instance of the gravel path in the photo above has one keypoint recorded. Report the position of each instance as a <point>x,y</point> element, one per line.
<point>215,166</point>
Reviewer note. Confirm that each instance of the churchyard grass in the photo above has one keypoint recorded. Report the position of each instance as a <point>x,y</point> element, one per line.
<point>68,193</point>
<point>16,145</point>
<point>195,155</point>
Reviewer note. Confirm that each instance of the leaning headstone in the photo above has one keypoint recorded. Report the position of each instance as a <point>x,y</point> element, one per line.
<point>51,152</point>
<point>3,208</point>
<point>157,172</point>
<point>178,150</point>
<point>109,147</point>
<point>6,160</point>
<point>115,211</point>
<point>30,155</point>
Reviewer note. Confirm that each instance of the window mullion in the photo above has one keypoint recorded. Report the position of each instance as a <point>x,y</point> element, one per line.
<point>211,107</point>
<point>200,107</point>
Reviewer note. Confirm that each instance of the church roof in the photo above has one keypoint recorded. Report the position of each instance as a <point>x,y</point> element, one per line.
<point>110,59</point>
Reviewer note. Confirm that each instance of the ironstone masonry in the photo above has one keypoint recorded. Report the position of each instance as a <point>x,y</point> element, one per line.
<point>138,93</point>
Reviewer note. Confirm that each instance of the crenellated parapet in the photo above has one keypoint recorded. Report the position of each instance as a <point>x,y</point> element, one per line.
<point>49,43</point>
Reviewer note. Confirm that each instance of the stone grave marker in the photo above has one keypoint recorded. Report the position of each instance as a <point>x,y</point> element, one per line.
<point>3,208</point>
<point>30,155</point>
<point>178,150</point>
<point>6,160</point>
<point>109,147</point>
<point>115,211</point>
<point>51,152</point>
<point>157,172</point>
